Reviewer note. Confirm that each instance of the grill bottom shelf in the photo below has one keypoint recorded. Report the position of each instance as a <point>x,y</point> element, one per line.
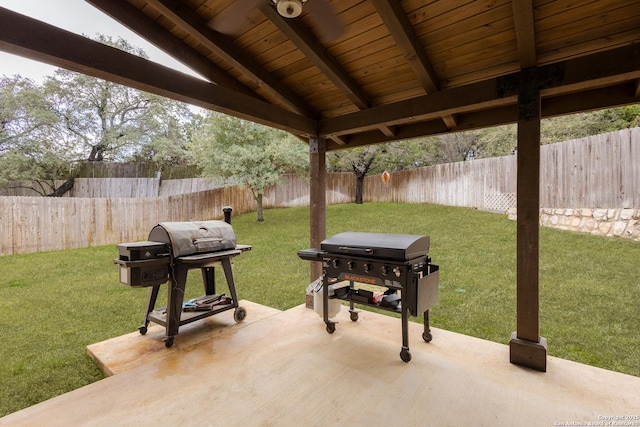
<point>362,301</point>
<point>159,315</point>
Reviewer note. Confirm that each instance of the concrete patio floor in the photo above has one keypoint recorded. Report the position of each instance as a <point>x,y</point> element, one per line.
<point>281,368</point>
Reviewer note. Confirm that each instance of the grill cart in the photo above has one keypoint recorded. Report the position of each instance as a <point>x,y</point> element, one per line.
<point>397,262</point>
<point>172,249</point>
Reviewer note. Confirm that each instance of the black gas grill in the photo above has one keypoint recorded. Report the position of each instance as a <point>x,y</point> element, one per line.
<point>397,263</point>
<point>172,249</point>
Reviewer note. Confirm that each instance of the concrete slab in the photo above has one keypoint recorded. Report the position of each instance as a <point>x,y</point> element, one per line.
<point>286,370</point>
<point>131,350</point>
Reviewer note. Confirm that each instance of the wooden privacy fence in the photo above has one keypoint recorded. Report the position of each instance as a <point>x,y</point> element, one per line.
<point>597,172</point>
<point>126,187</point>
<point>601,171</point>
<point>34,224</point>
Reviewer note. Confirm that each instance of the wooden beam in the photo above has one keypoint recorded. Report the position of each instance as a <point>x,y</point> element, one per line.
<point>526,347</point>
<point>525,32</point>
<point>594,71</point>
<point>139,23</point>
<point>475,96</point>
<point>451,121</point>
<point>42,42</point>
<point>395,19</point>
<point>317,201</point>
<point>315,52</point>
<point>185,18</point>
<point>611,96</point>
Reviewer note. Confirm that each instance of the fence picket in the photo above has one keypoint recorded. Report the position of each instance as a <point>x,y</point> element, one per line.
<point>597,172</point>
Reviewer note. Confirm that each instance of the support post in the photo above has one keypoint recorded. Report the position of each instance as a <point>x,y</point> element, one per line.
<point>526,346</point>
<point>317,198</point>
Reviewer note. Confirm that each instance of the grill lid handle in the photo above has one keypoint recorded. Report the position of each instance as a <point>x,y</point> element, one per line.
<point>368,251</point>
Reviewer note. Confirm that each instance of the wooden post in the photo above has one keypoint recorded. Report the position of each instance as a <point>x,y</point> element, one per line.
<point>317,196</point>
<point>527,348</point>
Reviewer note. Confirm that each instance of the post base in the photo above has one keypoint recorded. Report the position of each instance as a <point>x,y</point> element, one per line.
<point>526,353</point>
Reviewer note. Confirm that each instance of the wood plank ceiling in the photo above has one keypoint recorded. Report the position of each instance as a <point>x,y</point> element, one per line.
<point>398,70</point>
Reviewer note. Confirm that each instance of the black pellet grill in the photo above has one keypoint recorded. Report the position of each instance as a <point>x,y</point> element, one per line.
<point>397,262</point>
<point>172,249</point>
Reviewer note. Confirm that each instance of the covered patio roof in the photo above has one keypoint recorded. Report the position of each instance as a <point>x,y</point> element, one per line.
<point>349,73</point>
<point>397,70</point>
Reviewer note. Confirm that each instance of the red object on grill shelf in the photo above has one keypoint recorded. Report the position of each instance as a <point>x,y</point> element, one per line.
<point>398,262</point>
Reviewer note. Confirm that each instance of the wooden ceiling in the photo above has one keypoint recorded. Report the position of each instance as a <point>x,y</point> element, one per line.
<point>399,70</point>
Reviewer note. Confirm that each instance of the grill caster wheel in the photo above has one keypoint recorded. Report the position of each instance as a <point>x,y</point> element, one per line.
<point>239,314</point>
<point>405,355</point>
<point>168,342</point>
<point>331,327</point>
<point>354,316</point>
<point>143,330</point>
<point>427,337</point>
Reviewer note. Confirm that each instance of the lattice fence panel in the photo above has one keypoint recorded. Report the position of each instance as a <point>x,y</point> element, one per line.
<point>500,201</point>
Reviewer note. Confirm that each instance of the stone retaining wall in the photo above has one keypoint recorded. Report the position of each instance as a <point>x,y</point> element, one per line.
<point>624,223</point>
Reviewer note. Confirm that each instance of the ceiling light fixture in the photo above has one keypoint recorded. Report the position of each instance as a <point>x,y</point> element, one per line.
<point>289,8</point>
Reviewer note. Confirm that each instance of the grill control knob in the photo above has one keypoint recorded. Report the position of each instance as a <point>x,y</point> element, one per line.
<point>385,269</point>
<point>367,266</point>
<point>397,271</point>
<point>351,265</point>
<point>335,263</point>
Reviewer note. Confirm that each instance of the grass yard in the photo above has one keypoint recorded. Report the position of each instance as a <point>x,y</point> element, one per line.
<point>53,304</point>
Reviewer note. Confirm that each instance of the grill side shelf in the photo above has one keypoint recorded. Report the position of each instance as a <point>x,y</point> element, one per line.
<point>312,254</point>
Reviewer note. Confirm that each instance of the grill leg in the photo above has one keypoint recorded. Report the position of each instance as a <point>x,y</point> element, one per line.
<point>331,326</point>
<point>405,355</point>
<point>426,335</point>
<point>228,274</point>
<point>209,279</point>
<point>353,313</point>
<point>174,302</point>
<point>151,304</point>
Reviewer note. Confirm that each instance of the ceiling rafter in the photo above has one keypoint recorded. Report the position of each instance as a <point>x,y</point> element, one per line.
<point>188,20</point>
<point>525,32</point>
<point>315,52</point>
<point>395,19</point>
<point>130,17</point>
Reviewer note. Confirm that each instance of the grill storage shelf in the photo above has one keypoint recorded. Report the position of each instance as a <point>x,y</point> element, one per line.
<point>396,262</point>
<point>172,250</point>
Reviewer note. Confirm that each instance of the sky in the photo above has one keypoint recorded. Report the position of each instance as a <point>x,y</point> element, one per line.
<point>78,17</point>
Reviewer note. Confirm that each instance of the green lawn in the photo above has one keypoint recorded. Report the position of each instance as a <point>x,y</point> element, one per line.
<point>53,304</point>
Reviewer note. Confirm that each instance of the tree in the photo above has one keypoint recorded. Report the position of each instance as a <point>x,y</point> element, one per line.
<point>105,120</point>
<point>246,154</point>
<point>29,143</point>
<point>563,128</point>
<point>357,160</point>
<point>74,117</point>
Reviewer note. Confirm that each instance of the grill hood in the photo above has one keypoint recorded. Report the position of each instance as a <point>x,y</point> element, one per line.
<point>399,247</point>
<point>188,238</point>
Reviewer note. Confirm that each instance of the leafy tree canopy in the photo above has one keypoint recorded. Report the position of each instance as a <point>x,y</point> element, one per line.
<point>74,117</point>
<point>246,153</point>
<point>107,121</point>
